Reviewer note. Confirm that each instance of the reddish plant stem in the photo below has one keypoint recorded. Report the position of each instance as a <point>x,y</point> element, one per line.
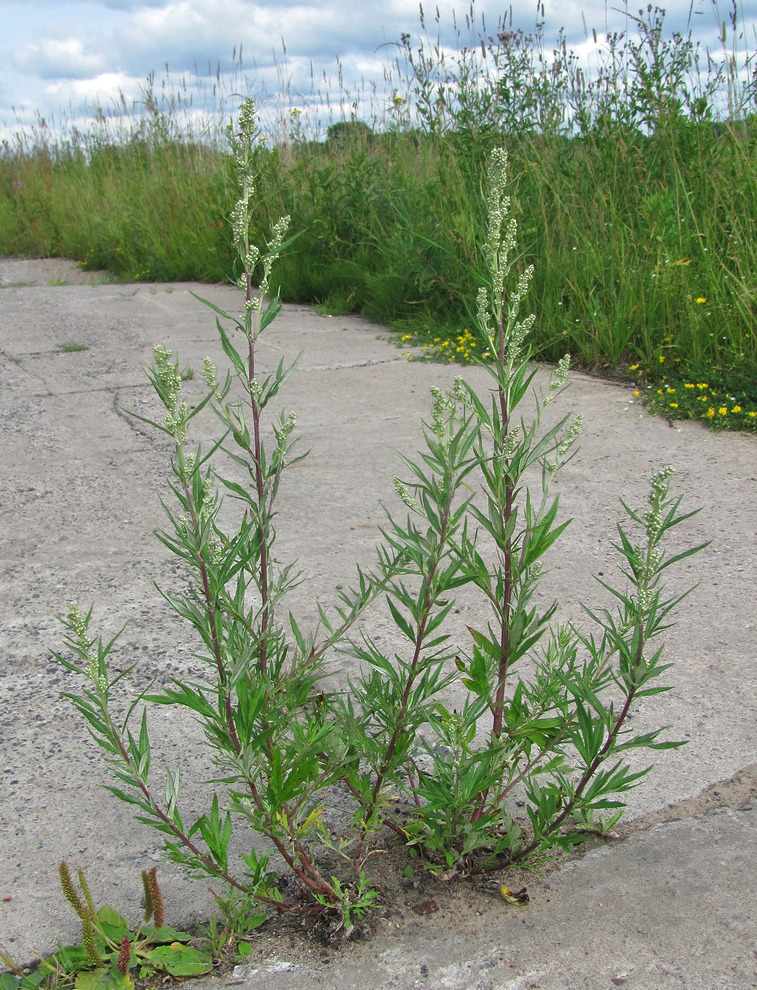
<point>585,778</point>
<point>595,763</point>
<point>178,832</point>
<point>306,872</point>
<point>260,488</point>
<point>504,642</point>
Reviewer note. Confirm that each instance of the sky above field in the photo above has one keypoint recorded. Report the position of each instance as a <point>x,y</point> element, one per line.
<point>59,59</point>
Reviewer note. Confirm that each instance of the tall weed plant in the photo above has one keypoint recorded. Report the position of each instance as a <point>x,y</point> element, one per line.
<point>433,739</point>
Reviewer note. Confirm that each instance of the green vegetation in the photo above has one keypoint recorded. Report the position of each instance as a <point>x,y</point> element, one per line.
<point>438,738</point>
<point>636,187</point>
<point>111,956</point>
<point>71,347</point>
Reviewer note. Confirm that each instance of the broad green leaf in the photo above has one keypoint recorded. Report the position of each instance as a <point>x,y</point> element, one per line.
<point>165,935</point>
<point>112,924</point>
<point>103,979</point>
<point>180,960</point>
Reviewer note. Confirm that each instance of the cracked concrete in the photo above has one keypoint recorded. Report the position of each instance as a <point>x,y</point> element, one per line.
<point>668,904</point>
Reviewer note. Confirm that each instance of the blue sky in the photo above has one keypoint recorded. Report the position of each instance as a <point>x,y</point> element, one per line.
<point>60,58</point>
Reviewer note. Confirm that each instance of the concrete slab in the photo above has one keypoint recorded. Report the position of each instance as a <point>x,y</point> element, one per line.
<point>669,906</point>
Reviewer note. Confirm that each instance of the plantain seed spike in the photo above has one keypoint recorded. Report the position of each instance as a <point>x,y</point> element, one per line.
<point>88,940</point>
<point>86,892</point>
<point>158,909</point>
<point>124,955</point>
<point>148,895</point>
<point>68,889</point>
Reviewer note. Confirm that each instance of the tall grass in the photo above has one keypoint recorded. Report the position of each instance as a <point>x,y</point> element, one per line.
<point>635,184</point>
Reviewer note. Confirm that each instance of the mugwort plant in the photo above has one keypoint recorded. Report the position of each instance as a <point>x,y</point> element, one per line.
<point>435,740</point>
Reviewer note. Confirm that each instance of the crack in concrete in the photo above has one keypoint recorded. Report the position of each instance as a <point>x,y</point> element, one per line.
<point>737,793</point>
<point>371,363</point>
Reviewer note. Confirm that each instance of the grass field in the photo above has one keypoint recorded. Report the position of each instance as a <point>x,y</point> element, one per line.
<point>635,189</point>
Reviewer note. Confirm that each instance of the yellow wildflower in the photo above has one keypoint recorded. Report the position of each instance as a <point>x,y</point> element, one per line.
<point>723,410</point>
<point>736,409</point>
<point>701,300</point>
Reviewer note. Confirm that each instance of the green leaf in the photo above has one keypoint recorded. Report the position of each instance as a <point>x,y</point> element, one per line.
<point>231,352</point>
<point>72,958</point>
<point>210,305</point>
<point>113,925</point>
<point>103,979</point>
<point>180,960</point>
<point>165,935</point>
<point>486,645</point>
<point>272,310</point>
<point>401,622</point>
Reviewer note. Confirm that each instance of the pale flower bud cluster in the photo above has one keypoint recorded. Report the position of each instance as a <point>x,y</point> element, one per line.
<point>79,628</point>
<point>283,434</point>
<point>647,563</point>
<point>511,442</point>
<point>498,208</point>
<point>653,525</point>
<point>483,317</point>
<point>209,374</point>
<point>248,119</point>
<point>660,486</point>
<point>176,423</point>
<point>516,337</point>
<point>251,258</point>
<point>500,244</point>
<point>524,281</point>
<point>240,224</point>
<point>279,231</point>
<point>167,374</point>
<point>659,490</point>
<point>274,250</point>
<point>646,600</point>
<point>402,490</point>
<point>559,378</point>
<point>574,431</point>
<point>441,405</point>
<point>207,498</point>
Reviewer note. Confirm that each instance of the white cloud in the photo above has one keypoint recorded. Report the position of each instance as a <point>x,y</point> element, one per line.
<point>105,89</point>
<point>73,50</point>
<point>53,58</point>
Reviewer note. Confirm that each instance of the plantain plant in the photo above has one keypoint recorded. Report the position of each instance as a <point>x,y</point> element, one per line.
<point>110,955</point>
<point>454,731</point>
